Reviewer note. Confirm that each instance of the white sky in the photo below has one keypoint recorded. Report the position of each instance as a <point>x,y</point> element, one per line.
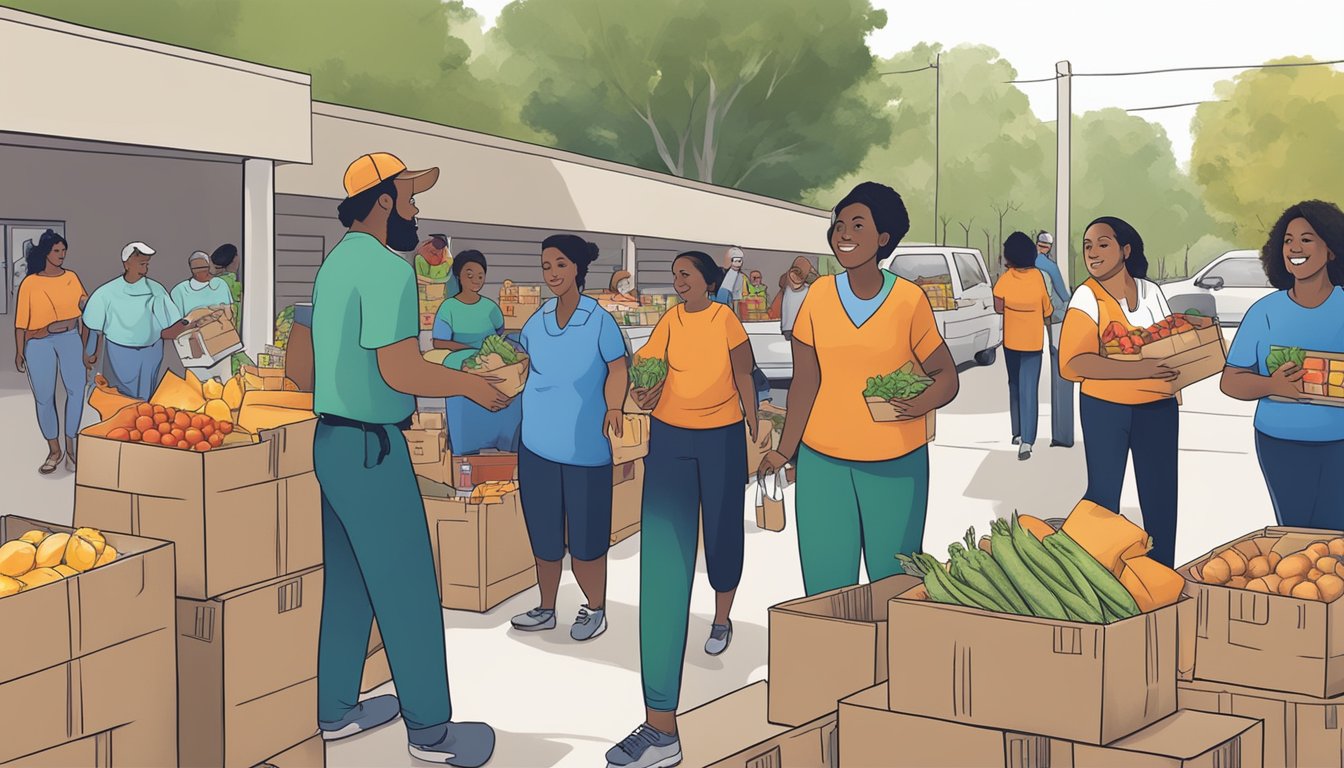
<point>1113,36</point>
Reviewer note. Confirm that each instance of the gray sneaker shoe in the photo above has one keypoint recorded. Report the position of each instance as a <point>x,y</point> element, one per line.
<point>1017,440</point>
<point>1024,452</point>
<point>535,620</point>
<point>366,715</point>
<point>647,747</point>
<point>462,745</point>
<point>720,635</point>
<point>589,624</point>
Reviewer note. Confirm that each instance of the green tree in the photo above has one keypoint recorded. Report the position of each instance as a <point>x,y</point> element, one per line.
<point>762,95</point>
<point>1274,140</point>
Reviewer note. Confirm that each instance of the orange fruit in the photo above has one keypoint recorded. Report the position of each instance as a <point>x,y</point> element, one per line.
<point>226,427</point>
<point>199,420</point>
<point>208,430</point>
<point>136,435</point>
<point>151,436</point>
<point>160,419</point>
<point>201,447</point>
<point>182,420</point>
<point>119,433</point>
<point>168,441</point>
<point>193,435</point>
<point>183,445</point>
<point>215,440</point>
<point>144,422</point>
<point>144,409</point>
<point>159,408</point>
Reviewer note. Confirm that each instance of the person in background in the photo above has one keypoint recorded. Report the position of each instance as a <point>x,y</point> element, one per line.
<point>1061,389</point>
<point>863,485</point>
<point>756,286</point>
<point>132,315</point>
<point>1021,297</point>
<point>1300,445</point>
<point>202,291</point>
<point>793,286</point>
<point>433,262</point>
<point>462,324</point>
<point>622,287</point>
<point>50,340</point>
<point>1120,412</point>
<point>732,274</point>
<point>225,261</point>
<point>574,394</point>
<point>693,473</point>
<point>376,557</point>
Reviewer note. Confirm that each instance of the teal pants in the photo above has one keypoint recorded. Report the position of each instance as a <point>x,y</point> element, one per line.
<point>848,508</point>
<point>375,547</point>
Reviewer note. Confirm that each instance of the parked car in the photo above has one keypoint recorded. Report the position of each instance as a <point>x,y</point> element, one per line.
<point>958,286</point>
<point>1227,287</point>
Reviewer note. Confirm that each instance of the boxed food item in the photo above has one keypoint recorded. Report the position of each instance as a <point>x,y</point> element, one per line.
<point>633,444</point>
<point>432,460</point>
<point>88,655</point>
<point>432,292</point>
<point>627,498</point>
<point>873,735</point>
<point>310,753</point>
<point>376,670</point>
<point>1323,380</point>
<point>482,554</point>
<point>1300,731</point>
<point>431,420</point>
<point>1245,634</point>
<point>939,292</point>
<point>732,732</point>
<point>248,659</point>
<point>213,338</point>
<point>825,647</point>
<point>1191,344</point>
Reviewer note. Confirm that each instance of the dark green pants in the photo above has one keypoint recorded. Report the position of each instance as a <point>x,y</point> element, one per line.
<point>375,549</point>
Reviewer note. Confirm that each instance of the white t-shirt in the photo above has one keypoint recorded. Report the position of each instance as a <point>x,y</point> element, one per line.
<point>1151,310</point>
<point>732,282</point>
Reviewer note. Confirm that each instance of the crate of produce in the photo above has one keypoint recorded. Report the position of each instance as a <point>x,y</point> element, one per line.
<point>1268,611</point>
<point>1323,380</point>
<point>482,554</point>
<point>1190,344</point>
<point>501,359</point>
<point>902,384</point>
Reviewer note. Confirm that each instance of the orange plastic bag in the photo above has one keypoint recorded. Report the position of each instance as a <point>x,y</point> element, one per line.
<point>1107,536</point>
<point>106,400</point>
<point>1152,584</point>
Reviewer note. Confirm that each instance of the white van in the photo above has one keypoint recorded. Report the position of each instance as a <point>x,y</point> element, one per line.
<point>958,286</point>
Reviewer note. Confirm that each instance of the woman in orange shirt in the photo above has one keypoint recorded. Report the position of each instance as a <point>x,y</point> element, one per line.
<point>696,464</point>
<point>50,339</point>
<point>1021,297</point>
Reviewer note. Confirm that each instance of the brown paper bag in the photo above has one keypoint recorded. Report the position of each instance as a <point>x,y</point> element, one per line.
<point>770,514</point>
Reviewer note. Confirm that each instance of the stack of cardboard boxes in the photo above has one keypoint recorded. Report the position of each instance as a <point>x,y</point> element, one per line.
<point>246,523</point>
<point>517,303</point>
<point>432,294</point>
<point>627,454</point>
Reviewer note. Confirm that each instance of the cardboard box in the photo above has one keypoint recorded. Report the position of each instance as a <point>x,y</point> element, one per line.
<point>311,753</point>
<point>71,645</point>
<point>882,410</point>
<point>1323,385</point>
<point>633,444</point>
<point>238,515</point>
<point>255,377</point>
<point>732,732</point>
<point>1300,731</point>
<point>1196,355</point>
<point>430,420</point>
<point>627,500</point>
<point>247,671</point>
<point>872,735</point>
<point>432,292</point>
<point>1087,683</point>
<point>766,441</point>
<point>825,647</point>
<point>377,673</point>
<point>1267,641</point>
<point>212,341</point>
<point>482,554</point>
<point>513,376</point>
<point>432,460</point>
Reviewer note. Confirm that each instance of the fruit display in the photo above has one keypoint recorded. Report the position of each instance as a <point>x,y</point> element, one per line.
<point>939,291</point>
<point>647,372</point>
<point>154,424</point>
<point>38,557</point>
<point>1323,376</point>
<point>496,352</point>
<point>1315,572</point>
<point>1118,339</point>
<point>901,384</point>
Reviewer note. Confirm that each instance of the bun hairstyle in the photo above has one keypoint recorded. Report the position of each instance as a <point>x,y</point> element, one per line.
<point>224,255</point>
<point>464,258</point>
<point>577,250</point>
<point>1126,234</point>
<point>36,257</point>
<point>712,272</point>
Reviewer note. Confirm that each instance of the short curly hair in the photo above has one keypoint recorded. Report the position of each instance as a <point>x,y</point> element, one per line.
<point>1328,222</point>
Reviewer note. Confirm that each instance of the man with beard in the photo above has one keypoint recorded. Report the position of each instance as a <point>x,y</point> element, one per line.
<point>367,371</point>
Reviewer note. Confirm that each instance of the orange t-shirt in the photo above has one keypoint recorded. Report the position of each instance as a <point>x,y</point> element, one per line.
<point>1091,310</point>
<point>699,392</point>
<point>45,300</point>
<point>1026,305</point>
<point>902,330</point>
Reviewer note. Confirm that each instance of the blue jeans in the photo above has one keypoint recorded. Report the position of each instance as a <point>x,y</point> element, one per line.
<point>1024,382</point>
<point>134,371</point>
<point>1112,431</point>
<point>1061,396</point>
<point>1305,481</point>
<point>63,353</point>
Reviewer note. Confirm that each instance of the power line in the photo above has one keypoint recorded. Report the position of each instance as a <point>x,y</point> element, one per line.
<point>1182,69</point>
<point>909,71</point>
<point>1174,106</point>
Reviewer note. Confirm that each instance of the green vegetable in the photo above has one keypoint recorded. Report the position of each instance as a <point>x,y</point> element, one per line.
<point>983,562</point>
<point>975,584</point>
<point>1281,356</point>
<point>1114,597</point>
<point>647,372</point>
<point>910,566</point>
<point>901,384</point>
<point>284,325</point>
<point>942,587</point>
<point>1193,313</point>
<point>1053,574</point>
<point>1081,585</point>
<point>494,344</point>
<point>1039,597</point>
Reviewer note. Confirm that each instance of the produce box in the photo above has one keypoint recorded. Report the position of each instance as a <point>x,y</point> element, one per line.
<point>1263,640</point>
<point>431,459</point>
<point>1196,354</point>
<point>211,342</point>
<point>825,647</point>
<point>1089,683</point>
<point>627,499</point>
<point>249,660</point>
<point>239,515</point>
<point>431,420</point>
<point>732,732</point>
<point>310,753</point>
<point>1323,382</point>
<point>376,670</point>
<point>1300,731</point>
<point>872,735</point>
<point>633,444</point>
<point>482,553</point>
<point>433,292</point>
<point>883,411</point>
<point>90,659</point>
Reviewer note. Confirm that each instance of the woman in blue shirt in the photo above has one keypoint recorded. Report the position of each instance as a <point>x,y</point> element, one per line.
<point>576,386</point>
<point>1300,445</point>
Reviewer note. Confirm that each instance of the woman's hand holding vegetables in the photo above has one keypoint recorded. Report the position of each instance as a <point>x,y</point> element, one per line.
<point>614,423</point>
<point>647,397</point>
<point>772,463</point>
<point>1286,381</point>
<point>913,408</point>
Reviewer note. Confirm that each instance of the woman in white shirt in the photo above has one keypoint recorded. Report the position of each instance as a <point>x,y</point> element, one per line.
<point>1122,406</point>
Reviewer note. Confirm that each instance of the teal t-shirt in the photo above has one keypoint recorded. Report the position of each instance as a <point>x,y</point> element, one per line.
<point>469,324</point>
<point>190,295</point>
<point>364,298</point>
<point>131,314</point>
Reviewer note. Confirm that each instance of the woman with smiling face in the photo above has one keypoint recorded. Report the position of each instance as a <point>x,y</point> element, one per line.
<point>1120,412</point>
<point>697,459</point>
<point>1300,445</point>
<point>863,485</point>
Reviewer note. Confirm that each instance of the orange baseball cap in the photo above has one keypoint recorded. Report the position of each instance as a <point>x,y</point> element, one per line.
<point>368,171</point>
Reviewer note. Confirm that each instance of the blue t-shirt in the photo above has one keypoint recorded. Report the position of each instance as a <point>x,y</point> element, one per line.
<point>724,296</point>
<point>1279,321</point>
<point>859,310</point>
<point>1059,292</point>
<point>564,403</point>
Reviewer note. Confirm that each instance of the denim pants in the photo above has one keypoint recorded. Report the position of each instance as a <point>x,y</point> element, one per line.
<point>134,371</point>
<point>1061,396</point>
<point>1111,431</point>
<point>1024,382</point>
<point>1306,481</point>
<point>57,353</point>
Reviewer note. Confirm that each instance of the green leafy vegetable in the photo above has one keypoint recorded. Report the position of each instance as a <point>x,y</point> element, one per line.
<point>496,345</point>
<point>1281,356</point>
<point>901,384</point>
<point>647,372</point>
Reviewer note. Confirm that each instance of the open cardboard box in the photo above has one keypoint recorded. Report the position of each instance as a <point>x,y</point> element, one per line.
<point>213,340</point>
<point>883,411</point>
<point>1328,392</point>
<point>1196,355</point>
<point>732,732</point>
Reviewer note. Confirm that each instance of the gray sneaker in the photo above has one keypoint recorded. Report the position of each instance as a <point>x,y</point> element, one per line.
<point>366,715</point>
<point>535,620</point>
<point>720,635</point>
<point>647,747</point>
<point>1017,440</point>
<point>462,745</point>
<point>589,624</point>
<point>1024,452</point>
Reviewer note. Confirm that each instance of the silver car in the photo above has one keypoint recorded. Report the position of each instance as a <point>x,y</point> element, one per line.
<point>1226,288</point>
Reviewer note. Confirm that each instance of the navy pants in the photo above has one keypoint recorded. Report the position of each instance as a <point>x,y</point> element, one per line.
<point>1306,481</point>
<point>1024,382</point>
<point>1111,432</point>
<point>564,498</point>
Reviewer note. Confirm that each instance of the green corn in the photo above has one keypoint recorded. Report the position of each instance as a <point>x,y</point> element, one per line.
<point>1107,586</point>
<point>985,564</point>
<point>1039,598</point>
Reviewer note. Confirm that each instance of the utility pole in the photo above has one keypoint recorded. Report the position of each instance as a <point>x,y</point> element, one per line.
<point>1063,142</point>
<point>937,134</point>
